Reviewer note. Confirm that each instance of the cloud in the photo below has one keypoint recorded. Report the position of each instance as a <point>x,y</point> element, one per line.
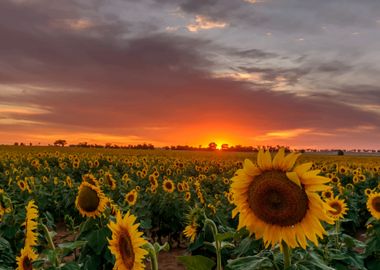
<point>203,23</point>
<point>157,87</point>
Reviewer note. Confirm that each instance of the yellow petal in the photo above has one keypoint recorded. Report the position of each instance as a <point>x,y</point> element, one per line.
<point>294,178</point>
<point>264,160</point>
<point>315,180</point>
<point>278,159</point>
<point>290,160</point>
<point>250,168</point>
<point>303,168</point>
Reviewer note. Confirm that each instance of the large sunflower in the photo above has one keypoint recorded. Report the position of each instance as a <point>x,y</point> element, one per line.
<point>90,200</point>
<point>279,204</point>
<point>373,204</point>
<point>126,243</point>
<point>338,207</point>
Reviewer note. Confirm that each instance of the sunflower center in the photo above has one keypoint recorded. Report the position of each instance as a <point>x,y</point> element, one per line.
<point>131,198</point>
<point>276,200</point>
<point>88,199</point>
<point>126,251</point>
<point>337,207</point>
<point>168,185</point>
<point>27,263</point>
<point>376,204</point>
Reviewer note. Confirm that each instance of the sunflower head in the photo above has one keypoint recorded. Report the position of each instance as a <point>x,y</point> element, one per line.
<point>168,186</point>
<point>338,207</point>
<point>26,258</point>
<point>126,243</point>
<point>373,204</point>
<point>187,196</point>
<point>327,194</point>
<point>131,197</point>
<point>195,221</point>
<point>90,200</point>
<point>368,191</point>
<point>279,203</point>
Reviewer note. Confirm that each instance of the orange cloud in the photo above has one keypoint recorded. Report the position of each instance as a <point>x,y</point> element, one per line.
<point>203,23</point>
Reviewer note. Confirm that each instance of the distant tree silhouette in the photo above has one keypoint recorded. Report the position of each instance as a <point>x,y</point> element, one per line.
<point>60,143</point>
<point>212,146</point>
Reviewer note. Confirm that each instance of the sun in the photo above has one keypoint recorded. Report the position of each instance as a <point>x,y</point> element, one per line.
<point>221,144</point>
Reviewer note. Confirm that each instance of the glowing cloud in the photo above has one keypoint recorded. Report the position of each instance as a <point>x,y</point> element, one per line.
<point>283,134</point>
<point>203,23</point>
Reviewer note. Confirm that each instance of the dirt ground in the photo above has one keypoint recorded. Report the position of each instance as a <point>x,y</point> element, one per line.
<point>168,260</point>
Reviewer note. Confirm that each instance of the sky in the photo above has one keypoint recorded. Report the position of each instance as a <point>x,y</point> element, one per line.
<point>280,72</point>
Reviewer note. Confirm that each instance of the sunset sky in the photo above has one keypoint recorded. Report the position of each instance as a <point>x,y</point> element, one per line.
<point>289,72</point>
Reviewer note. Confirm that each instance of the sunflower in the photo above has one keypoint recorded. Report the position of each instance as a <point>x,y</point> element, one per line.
<point>126,243</point>
<point>338,207</point>
<point>90,200</point>
<point>69,182</point>
<point>373,204</point>
<point>22,185</point>
<point>195,218</point>
<point>187,196</point>
<point>180,187</point>
<point>327,194</point>
<point>2,212</point>
<point>110,180</point>
<point>368,191</point>
<point>279,204</point>
<point>90,178</point>
<point>31,224</point>
<point>26,258</point>
<point>191,231</point>
<point>131,197</point>
<point>168,185</point>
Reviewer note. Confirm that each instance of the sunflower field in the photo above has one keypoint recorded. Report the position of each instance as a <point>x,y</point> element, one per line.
<point>84,208</point>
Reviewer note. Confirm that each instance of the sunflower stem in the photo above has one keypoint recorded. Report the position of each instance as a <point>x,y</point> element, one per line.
<point>153,256</point>
<point>51,244</point>
<point>218,246</point>
<point>337,230</point>
<point>287,257</point>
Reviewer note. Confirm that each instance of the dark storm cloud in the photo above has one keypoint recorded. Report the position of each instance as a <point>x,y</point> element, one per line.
<point>96,79</point>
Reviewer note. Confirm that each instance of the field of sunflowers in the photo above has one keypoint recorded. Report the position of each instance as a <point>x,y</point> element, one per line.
<point>76,208</point>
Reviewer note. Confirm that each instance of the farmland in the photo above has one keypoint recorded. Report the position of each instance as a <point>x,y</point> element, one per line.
<point>227,212</point>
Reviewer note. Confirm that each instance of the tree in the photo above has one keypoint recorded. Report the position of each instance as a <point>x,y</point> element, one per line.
<point>60,143</point>
<point>212,146</point>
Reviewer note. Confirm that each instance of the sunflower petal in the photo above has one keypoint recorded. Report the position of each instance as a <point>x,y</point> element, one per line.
<point>278,159</point>
<point>294,178</point>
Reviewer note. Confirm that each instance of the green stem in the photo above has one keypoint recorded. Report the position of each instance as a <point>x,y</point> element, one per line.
<point>218,246</point>
<point>337,230</point>
<point>50,243</point>
<point>153,256</point>
<point>287,259</point>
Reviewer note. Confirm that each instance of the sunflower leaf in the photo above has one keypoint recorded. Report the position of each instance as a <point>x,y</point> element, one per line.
<point>197,262</point>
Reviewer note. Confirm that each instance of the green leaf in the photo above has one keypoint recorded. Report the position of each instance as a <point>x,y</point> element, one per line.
<point>250,263</point>
<point>224,236</point>
<point>197,262</point>
<point>71,246</point>
<point>98,239</point>
<point>70,266</point>
<point>227,245</point>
